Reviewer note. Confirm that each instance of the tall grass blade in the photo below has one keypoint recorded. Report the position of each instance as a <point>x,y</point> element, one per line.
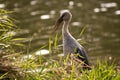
<point>50,44</point>
<point>56,39</point>
<point>82,31</point>
<point>3,76</point>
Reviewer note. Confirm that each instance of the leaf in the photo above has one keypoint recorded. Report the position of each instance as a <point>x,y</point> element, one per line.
<point>18,39</point>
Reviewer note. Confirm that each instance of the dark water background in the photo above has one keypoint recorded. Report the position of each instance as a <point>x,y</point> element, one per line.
<point>101,19</point>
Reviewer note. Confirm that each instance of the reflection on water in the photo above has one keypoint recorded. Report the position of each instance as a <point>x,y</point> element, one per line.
<point>44,16</point>
<point>101,20</point>
<point>42,52</point>
<point>105,6</point>
<point>75,23</point>
<point>37,53</point>
<point>2,5</point>
<point>117,12</point>
<point>109,5</point>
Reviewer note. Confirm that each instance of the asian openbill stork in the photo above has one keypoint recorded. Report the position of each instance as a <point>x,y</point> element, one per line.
<point>70,44</point>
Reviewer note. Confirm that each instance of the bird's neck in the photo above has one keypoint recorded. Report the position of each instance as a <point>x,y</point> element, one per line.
<point>65,29</point>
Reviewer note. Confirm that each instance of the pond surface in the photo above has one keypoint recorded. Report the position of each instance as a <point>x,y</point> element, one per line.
<point>101,20</point>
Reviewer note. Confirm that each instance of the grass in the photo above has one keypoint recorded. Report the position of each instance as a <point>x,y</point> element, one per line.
<point>42,68</point>
<point>15,67</point>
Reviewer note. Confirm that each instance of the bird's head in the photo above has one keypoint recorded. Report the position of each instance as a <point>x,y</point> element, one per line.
<point>65,16</point>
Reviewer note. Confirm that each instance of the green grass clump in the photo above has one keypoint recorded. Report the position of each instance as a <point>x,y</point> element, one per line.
<point>7,31</point>
<point>41,68</point>
<point>7,42</point>
<point>102,71</point>
<point>6,28</point>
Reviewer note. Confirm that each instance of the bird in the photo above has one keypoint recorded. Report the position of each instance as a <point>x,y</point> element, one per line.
<point>70,44</point>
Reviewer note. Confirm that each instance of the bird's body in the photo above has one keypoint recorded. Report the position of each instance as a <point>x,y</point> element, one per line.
<point>70,44</point>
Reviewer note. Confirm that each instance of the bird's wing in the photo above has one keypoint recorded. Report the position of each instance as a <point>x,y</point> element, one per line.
<point>82,55</point>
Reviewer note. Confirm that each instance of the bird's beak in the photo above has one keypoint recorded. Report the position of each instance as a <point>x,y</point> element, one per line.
<point>58,22</point>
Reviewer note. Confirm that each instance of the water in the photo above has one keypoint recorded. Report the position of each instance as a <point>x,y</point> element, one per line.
<point>101,20</point>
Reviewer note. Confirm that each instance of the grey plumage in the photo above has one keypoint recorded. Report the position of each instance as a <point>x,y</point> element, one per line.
<point>70,45</point>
